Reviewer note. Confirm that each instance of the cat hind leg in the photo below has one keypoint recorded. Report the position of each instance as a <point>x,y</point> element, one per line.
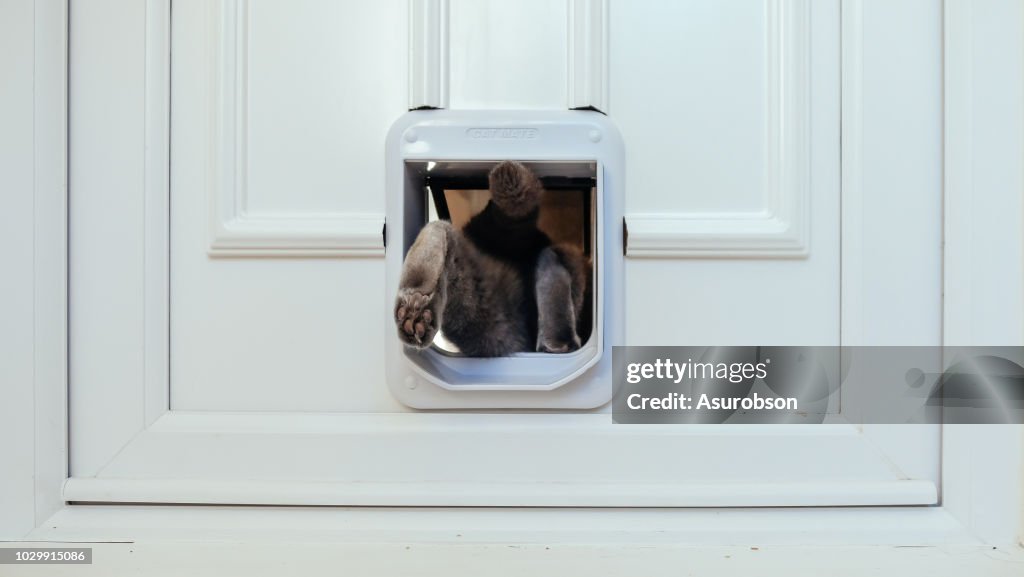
<point>421,289</point>
<point>559,289</point>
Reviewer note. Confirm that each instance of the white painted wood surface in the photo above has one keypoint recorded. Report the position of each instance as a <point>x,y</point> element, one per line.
<point>508,55</point>
<point>49,415</point>
<point>771,214</point>
<point>892,194</point>
<point>588,54</point>
<point>33,250</point>
<point>494,460</point>
<point>734,181</point>
<point>984,508</point>
<point>156,166</point>
<point>984,180</point>
<point>297,336</point>
<point>16,224</point>
<point>981,465</point>
<point>984,237</point>
<point>428,54</point>
<point>314,342</point>
<point>107,174</point>
<point>708,527</point>
<point>483,43</point>
<point>273,194</point>
<point>714,165</point>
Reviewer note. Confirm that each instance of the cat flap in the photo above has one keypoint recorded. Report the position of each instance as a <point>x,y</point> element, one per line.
<point>438,170</point>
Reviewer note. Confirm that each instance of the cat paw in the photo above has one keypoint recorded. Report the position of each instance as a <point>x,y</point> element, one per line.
<point>515,189</point>
<point>416,318</point>
<point>563,345</point>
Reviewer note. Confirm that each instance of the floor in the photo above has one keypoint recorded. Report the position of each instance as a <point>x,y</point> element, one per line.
<point>196,559</point>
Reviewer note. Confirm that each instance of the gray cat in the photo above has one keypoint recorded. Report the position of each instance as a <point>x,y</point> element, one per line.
<point>497,286</point>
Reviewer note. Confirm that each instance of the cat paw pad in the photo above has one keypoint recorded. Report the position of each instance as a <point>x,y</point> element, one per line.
<point>564,345</point>
<point>415,318</point>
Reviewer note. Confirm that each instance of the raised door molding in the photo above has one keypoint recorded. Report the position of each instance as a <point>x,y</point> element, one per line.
<point>588,54</point>
<point>782,227</point>
<point>586,64</point>
<point>428,54</point>
<point>156,167</point>
<point>235,230</point>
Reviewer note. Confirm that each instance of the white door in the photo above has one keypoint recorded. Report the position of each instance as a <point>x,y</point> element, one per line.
<point>227,200</point>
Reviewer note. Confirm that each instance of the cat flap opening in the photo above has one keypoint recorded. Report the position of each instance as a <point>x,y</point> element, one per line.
<point>458,191</point>
<point>569,213</point>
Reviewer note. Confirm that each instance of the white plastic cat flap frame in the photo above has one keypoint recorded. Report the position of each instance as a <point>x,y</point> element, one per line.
<point>558,146</point>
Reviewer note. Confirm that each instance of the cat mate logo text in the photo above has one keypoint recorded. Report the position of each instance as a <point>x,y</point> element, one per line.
<point>502,133</point>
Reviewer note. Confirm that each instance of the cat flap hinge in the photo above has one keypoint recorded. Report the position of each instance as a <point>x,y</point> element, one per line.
<point>589,108</point>
<point>625,236</point>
